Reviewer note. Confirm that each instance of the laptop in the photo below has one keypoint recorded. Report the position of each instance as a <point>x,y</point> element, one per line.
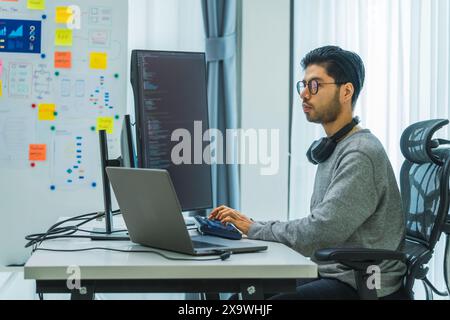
<point>153,215</point>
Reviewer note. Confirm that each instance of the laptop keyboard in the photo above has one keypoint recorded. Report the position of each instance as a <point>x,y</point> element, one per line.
<point>200,244</point>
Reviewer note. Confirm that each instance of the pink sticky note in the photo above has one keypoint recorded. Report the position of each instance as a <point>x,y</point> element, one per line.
<point>1,67</point>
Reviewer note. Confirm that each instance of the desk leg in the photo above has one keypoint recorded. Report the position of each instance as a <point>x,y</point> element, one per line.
<point>87,292</point>
<point>252,290</point>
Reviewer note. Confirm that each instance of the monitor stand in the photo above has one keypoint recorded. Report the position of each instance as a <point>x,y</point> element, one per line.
<point>99,234</point>
<point>107,233</point>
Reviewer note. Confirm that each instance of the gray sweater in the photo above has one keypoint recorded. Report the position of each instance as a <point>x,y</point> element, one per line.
<point>356,203</point>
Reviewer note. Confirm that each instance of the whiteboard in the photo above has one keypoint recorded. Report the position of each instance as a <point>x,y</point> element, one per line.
<point>58,87</point>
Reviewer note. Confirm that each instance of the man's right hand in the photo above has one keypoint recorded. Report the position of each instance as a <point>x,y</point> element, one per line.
<point>228,215</point>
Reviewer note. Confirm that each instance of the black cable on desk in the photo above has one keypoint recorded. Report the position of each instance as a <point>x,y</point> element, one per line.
<point>100,232</point>
<point>35,239</point>
<point>68,232</point>
<point>223,255</point>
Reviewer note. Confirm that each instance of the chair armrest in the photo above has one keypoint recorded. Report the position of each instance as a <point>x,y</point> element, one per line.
<point>360,260</point>
<point>361,255</point>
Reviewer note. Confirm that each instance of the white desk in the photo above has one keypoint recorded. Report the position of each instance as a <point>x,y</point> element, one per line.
<point>274,270</point>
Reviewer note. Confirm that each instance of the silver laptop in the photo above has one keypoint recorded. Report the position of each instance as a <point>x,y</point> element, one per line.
<point>153,215</point>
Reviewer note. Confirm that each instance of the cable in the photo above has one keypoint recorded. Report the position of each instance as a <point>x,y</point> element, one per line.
<point>99,232</point>
<point>57,231</point>
<point>446,263</point>
<point>64,232</point>
<point>224,255</point>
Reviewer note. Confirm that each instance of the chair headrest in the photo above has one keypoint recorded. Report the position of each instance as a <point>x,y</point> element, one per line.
<point>417,144</point>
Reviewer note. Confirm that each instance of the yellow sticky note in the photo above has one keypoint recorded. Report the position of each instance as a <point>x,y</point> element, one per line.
<point>46,112</point>
<point>37,152</point>
<point>1,88</point>
<point>98,60</point>
<point>63,14</point>
<point>63,37</point>
<point>36,4</point>
<point>105,123</point>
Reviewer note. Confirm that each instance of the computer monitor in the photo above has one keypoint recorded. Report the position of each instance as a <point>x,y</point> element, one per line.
<point>127,145</point>
<point>170,91</point>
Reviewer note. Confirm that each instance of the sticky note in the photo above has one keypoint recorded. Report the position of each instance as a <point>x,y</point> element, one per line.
<point>63,14</point>
<point>1,68</point>
<point>98,60</point>
<point>105,123</point>
<point>46,112</point>
<point>1,88</point>
<point>36,4</point>
<point>63,60</point>
<point>63,37</point>
<point>37,152</point>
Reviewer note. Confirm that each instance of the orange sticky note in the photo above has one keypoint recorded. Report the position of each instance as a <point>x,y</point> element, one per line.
<point>37,152</point>
<point>98,60</point>
<point>105,123</point>
<point>46,112</point>
<point>63,60</point>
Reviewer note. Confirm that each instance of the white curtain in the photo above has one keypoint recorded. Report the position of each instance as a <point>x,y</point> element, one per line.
<point>167,25</point>
<point>405,47</point>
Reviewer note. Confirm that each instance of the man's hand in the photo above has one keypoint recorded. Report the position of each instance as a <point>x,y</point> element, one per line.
<point>228,215</point>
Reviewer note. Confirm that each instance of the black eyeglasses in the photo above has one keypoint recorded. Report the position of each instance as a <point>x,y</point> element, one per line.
<point>313,86</point>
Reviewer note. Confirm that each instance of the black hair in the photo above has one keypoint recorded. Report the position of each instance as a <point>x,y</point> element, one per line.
<point>343,66</point>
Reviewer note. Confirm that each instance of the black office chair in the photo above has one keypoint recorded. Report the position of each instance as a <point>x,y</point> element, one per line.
<point>424,184</point>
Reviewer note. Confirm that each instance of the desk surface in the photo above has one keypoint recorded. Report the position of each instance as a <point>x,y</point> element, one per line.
<point>278,262</point>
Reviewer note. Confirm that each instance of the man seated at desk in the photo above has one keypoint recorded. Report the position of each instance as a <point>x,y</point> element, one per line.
<point>356,200</point>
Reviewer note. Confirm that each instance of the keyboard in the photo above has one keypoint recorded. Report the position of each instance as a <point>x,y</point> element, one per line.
<point>216,228</point>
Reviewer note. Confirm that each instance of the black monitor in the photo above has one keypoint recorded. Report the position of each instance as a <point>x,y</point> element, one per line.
<point>170,91</point>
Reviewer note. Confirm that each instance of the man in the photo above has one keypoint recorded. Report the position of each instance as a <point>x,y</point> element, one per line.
<point>356,201</point>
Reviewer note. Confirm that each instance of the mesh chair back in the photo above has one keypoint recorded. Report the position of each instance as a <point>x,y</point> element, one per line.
<point>424,182</point>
